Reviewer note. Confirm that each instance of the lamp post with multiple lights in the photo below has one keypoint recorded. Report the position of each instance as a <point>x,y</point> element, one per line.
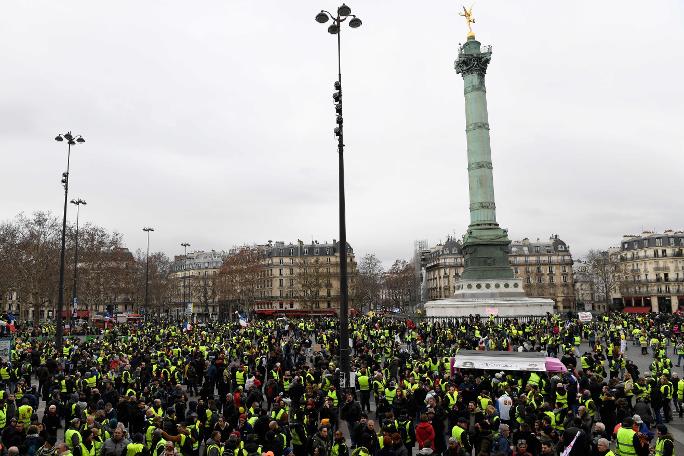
<point>343,14</point>
<point>147,268</point>
<point>71,140</point>
<point>74,292</point>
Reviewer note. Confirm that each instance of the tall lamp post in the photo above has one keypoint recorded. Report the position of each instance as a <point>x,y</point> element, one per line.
<point>343,13</point>
<point>185,272</point>
<point>74,291</point>
<point>71,140</point>
<point>147,267</point>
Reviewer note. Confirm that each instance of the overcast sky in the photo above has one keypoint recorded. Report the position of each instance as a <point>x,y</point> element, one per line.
<point>212,121</point>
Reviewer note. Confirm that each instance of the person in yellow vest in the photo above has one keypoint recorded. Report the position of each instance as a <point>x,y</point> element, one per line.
<point>603,446</point>
<point>391,393</point>
<point>87,447</point>
<point>136,447</point>
<point>72,436</point>
<point>665,444</point>
<point>679,387</point>
<point>332,394</point>
<point>627,440</point>
<point>364,389</point>
<point>460,433</point>
<point>25,413</point>
<point>452,397</point>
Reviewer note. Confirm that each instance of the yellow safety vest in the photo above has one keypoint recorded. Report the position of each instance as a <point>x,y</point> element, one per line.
<point>134,448</point>
<point>456,432</point>
<point>625,442</point>
<point>660,446</point>
<point>86,452</point>
<point>390,394</point>
<point>68,437</point>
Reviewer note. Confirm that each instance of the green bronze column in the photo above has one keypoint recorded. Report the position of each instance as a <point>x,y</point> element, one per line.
<point>485,244</point>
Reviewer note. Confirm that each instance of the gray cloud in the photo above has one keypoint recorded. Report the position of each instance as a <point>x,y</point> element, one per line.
<point>213,121</point>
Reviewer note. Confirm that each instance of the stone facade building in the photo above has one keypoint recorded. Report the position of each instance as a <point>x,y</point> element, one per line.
<point>651,272</point>
<point>192,284</point>
<point>544,266</point>
<point>302,278</point>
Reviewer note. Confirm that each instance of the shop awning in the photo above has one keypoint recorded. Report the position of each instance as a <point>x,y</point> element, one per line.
<point>641,310</point>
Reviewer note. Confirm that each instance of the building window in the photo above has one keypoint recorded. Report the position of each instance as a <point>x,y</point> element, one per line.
<point>565,278</point>
<point>539,279</point>
<point>291,271</point>
<point>291,305</point>
<point>315,251</point>
<point>645,242</point>
<point>328,292</point>
<point>306,251</point>
<point>537,249</point>
<point>664,253</point>
<point>281,305</point>
<point>655,254</point>
<point>515,270</point>
<point>551,280</point>
<point>280,282</point>
<point>564,268</point>
<point>550,269</point>
<point>659,242</point>
<point>539,269</point>
<point>327,250</point>
<point>280,261</point>
<point>672,242</point>
<point>528,280</point>
<point>328,260</point>
<point>280,271</point>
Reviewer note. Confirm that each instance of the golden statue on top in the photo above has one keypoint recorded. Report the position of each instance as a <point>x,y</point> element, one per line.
<point>470,19</point>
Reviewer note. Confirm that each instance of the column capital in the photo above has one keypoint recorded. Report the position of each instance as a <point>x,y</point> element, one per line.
<point>473,59</point>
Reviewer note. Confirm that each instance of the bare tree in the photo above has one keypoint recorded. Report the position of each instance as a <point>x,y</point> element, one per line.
<point>603,272</point>
<point>30,253</point>
<point>203,289</point>
<point>401,286</point>
<point>238,278</point>
<point>368,285</point>
<point>311,279</point>
<point>159,288</point>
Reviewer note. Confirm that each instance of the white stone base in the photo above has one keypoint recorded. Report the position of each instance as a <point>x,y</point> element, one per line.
<point>503,307</point>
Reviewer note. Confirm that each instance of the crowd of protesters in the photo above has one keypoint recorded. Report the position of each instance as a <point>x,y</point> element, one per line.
<point>273,388</point>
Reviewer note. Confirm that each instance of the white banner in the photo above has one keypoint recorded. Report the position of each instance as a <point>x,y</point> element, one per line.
<point>5,349</point>
<point>492,363</point>
<point>584,316</point>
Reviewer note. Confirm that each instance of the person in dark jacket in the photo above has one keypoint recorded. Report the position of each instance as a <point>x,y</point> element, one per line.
<point>51,420</point>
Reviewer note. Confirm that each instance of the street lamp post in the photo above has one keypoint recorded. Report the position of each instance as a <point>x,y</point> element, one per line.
<point>74,292</point>
<point>147,267</point>
<point>343,13</point>
<point>185,272</point>
<point>71,140</point>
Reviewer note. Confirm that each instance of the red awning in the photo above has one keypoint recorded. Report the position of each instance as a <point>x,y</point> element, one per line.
<point>637,309</point>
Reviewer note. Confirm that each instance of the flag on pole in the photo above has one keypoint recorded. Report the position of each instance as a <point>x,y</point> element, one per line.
<point>243,320</point>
